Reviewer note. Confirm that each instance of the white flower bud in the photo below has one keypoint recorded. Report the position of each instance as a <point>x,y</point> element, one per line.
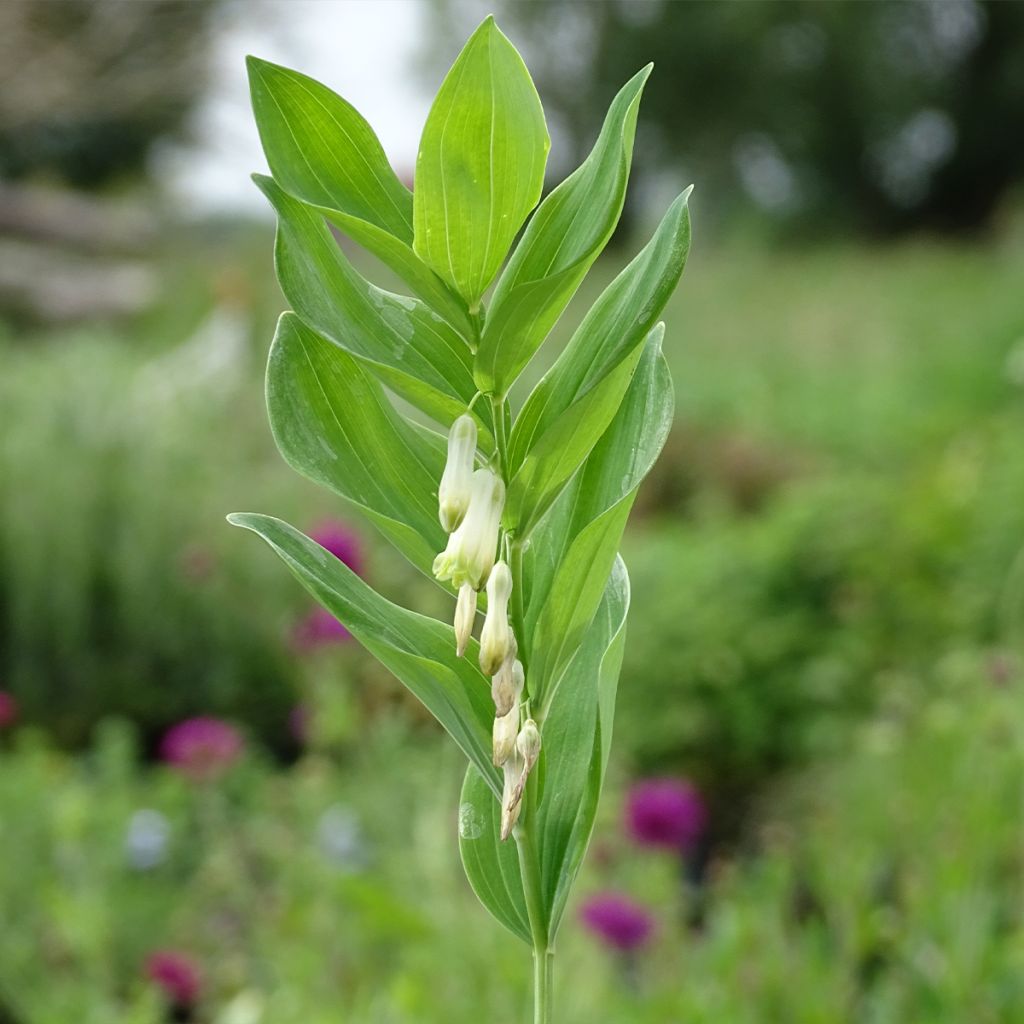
<point>496,637</point>
<point>507,686</point>
<point>454,490</point>
<point>470,552</point>
<point>504,733</point>
<point>528,745</point>
<point>465,616</point>
<point>511,797</point>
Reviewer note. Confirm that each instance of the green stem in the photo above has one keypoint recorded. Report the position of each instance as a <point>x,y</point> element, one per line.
<point>500,436</point>
<point>518,603</point>
<point>543,956</point>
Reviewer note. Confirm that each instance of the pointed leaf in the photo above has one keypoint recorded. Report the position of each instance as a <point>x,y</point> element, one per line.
<point>409,348</point>
<point>612,331</point>
<point>480,168</point>
<point>334,424</point>
<point>562,240</point>
<point>420,651</point>
<point>570,781</point>
<point>576,547</point>
<point>322,150</point>
<point>491,866</point>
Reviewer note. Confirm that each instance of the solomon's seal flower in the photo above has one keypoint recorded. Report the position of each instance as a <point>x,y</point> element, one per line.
<point>454,491</point>
<point>465,616</point>
<point>470,552</point>
<point>507,686</point>
<point>496,641</point>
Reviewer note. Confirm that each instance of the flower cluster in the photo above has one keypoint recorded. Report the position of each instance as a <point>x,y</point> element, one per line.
<point>470,504</point>
<point>201,748</point>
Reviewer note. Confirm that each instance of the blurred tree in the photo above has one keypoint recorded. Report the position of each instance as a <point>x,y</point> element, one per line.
<point>885,116</point>
<point>87,86</point>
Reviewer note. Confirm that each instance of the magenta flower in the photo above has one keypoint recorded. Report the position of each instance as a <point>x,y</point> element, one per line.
<point>341,541</point>
<point>176,974</point>
<point>201,748</point>
<point>319,628</point>
<point>618,921</point>
<point>665,813</point>
<point>8,710</point>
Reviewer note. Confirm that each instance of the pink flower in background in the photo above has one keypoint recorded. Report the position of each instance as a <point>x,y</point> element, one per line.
<point>618,921</point>
<point>319,628</point>
<point>201,748</point>
<point>665,813</point>
<point>341,541</point>
<point>8,710</point>
<point>176,974</point>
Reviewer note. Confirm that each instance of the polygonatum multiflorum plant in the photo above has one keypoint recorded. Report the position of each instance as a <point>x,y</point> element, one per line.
<point>514,505</point>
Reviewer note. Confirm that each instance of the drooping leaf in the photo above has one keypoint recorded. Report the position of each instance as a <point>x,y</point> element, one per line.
<point>576,546</point>
<point>334,424</point>
<point>419,650</point>
<point>612,332</point>
<point>480,167</point>
<point>322,150</point>
<point>408,347</point>
<point>564,237</point>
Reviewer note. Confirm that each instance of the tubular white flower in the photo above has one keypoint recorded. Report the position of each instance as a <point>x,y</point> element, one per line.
<point>511,797</point>
<point>470,552</point>
<point>528,745</point>
<point>453,493</point>
<point>465,616</point>
<point>507,686</point>
<point>504,733</point>
<point>496,641</point>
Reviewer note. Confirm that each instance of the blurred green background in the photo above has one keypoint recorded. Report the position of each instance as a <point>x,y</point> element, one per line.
<point>827,628</point>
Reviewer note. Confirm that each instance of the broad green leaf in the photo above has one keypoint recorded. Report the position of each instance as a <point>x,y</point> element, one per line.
<point>408,347</point>
<point>334,424</point>
<point>480,167</point>
<point>579,728</point>
<point>570,786</point>
<point>612,332</point>
<point>492,866</point>
<point>565,444</point>
<point>322,150</point>
<point>398,255</point>
<point>576,547</point>
<point>420,651</point>
<point>562,240</point>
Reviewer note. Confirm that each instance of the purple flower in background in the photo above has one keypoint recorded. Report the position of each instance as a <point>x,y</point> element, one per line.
<point>202,747</point>
<point>665,813</point>
<point>8,710</point>
<point>176,974</point>
<point>618,921</point>
<point>341,541</point>
<point>319,628</point>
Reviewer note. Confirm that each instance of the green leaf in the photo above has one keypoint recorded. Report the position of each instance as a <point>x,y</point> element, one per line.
<point>322,150</point>
<point>579,728</point>
<point>576,548</point>
<point>492,866</point>
<point>570,783</point>
<point>562,240</point>
<point>420,651</point>
<point>565,444</point>
<point>408,347</point>
<point>334,424</point>
<point>480,167</point>
<point>612,332</point>
<point>399,257</point>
